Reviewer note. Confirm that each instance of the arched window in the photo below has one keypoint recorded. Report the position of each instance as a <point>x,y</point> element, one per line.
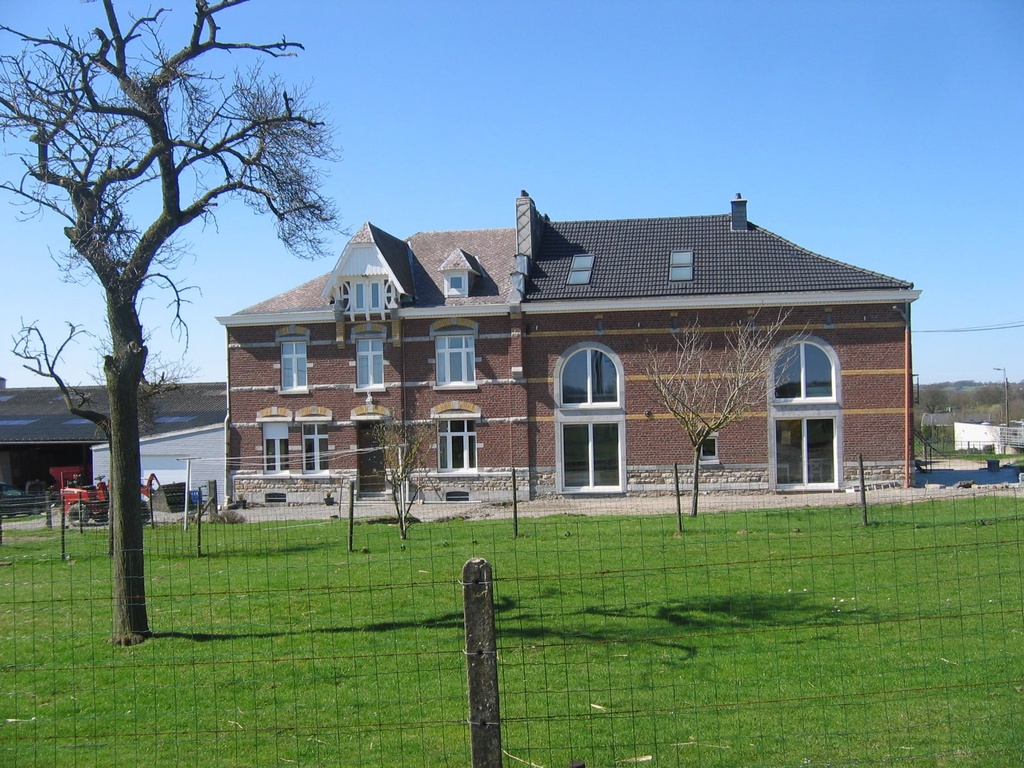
<point>590,421</point>
<point>589,377</point>
<point>804,371</point>
<point>806,416</point>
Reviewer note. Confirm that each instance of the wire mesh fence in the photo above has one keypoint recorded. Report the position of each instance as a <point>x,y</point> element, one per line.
<point>773,630</point>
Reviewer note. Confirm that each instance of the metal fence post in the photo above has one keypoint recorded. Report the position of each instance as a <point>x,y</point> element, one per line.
<point>515,506</point>
<point>481,663</point>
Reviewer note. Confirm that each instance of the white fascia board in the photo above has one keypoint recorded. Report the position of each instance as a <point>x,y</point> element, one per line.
<point>722,301</point>
<point>460,310</point>
<point>278,318</point>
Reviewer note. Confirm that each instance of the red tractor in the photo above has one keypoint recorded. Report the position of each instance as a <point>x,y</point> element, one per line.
<point>81,503</point>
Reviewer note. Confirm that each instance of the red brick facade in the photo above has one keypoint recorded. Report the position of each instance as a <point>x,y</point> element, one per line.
<point>627,443</point>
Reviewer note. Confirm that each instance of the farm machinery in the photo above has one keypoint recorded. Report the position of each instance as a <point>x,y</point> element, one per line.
<point>85,503</point>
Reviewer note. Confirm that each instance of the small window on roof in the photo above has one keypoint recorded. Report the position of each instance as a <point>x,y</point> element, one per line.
<point>680,265</point>
<point>579,270</point>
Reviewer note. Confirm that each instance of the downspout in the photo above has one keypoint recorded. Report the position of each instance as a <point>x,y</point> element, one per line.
<point>908,404</point>
<point>228,490</point>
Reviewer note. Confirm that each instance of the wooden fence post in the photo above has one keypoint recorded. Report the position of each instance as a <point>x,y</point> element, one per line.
<point>481,664</point>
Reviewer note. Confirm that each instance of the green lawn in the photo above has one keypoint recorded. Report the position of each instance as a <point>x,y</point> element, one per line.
<point>773,637</point>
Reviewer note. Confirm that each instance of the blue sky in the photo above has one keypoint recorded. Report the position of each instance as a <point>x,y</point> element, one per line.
<point>884,134</point>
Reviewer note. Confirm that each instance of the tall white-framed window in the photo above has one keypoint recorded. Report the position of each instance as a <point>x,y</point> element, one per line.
<point>456,359</point>
<point>590,425</point>
<point>806,414</point>
<point>591,456</point>
<point>456,445</point>
<point>370,363</point>
<point>275,447</point>
<point>314,448</point>
<point>293,364</point>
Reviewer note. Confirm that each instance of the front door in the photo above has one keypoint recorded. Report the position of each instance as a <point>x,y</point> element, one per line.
<point>371,461</point>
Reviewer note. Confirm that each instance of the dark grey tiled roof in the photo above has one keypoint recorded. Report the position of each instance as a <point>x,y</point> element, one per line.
<point>38,414</point>
<point>632,260</point>
<point>396,254</point>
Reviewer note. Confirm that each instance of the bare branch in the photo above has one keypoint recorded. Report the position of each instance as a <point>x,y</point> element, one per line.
<point>30,345</point>
<point>713,377</point>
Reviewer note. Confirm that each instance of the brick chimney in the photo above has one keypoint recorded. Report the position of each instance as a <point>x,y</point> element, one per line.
<point>739,214</point>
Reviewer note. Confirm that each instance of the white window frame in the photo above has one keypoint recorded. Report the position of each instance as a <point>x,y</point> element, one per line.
<point>680,266</point>
<point>294,364</point>
<point>446,436</point>
<point>276,456</point>
<point>580,269</point>
<point>314,446</point>
<point>590,350</point>
<point>590,414</point>
<point>369,358</point>
<point>450,287</point>
<point>444,356</point>
<point>799,348</point>
<point>805,409</point>
<point>368,297</point>
<point>709,449</point>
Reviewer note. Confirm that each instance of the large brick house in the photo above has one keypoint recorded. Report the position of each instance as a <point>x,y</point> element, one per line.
<point>524,347</point>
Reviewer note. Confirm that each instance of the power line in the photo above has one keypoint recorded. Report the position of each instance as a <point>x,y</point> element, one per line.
<point>974,329</point>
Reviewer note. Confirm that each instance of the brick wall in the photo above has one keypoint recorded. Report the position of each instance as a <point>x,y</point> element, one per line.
<point>517,425</point>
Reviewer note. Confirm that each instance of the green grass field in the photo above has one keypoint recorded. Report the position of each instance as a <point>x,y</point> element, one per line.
<point>773,637</point>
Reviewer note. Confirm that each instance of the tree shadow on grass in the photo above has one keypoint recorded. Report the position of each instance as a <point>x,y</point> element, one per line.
<point>453,620</point>
<point>669,624</point>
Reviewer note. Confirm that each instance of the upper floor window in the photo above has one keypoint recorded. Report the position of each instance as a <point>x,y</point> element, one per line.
<point>589,377</point>
<point>368,297</point>
<point>680,266</point>
<point>293,364</point>
<point>456,360</point>
<point>804,371</point>
<point>456,445</point>
<point>369,363</point>
<point>579,270</point>
<point>456,284</point>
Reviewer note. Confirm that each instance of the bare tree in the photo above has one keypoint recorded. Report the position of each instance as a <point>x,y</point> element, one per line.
<point>403,450</point>
<point>709,381</point>
<point>129,142</point>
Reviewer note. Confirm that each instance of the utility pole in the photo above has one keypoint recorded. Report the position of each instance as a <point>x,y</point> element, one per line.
<point>1006,408</point>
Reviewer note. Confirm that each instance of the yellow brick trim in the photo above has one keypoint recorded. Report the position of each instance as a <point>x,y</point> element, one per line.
<point>453,322</point>
<point>274,412</point>
<point>314,412</point>
<point>460,406</point>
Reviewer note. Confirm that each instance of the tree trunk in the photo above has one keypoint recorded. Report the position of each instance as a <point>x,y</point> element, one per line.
<point>124,369</point>
<point>696,480</point>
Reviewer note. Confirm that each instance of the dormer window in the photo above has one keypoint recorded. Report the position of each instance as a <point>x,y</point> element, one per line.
<point>579,270</point>
<point>456,284</point>
<point>459,270</point>
<point>680,266</point>
<point>368,299</point>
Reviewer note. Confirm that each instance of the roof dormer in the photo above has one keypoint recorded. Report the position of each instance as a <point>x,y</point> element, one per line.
<point>459,270</point>
<point>372,276</point>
